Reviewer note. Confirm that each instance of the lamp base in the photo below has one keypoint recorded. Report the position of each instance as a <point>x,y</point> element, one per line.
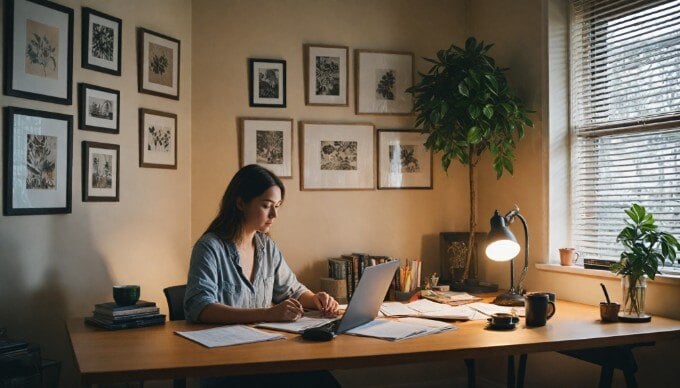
<point>509,298</point>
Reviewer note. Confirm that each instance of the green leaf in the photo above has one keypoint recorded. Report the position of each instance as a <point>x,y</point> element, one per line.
<point>463,89</point>
<point>488,111</point>
<point>474,135</point>
<point>474,112</point>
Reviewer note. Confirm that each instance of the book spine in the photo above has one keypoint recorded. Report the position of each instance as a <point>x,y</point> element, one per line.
<point>126,325</point>
<point>143,310</point>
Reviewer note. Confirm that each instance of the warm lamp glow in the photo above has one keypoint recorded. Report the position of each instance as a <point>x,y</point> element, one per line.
<point>502,250</point>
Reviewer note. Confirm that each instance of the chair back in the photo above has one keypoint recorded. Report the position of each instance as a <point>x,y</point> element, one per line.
<point>175,297</point>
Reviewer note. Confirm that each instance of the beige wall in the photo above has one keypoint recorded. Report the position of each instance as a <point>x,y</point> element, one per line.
<point>316,225</point>
<point>57,266</point>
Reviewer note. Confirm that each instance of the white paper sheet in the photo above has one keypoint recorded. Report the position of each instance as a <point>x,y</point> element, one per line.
<point>396,309</point>
<point>297,326</point>
<point>229,335</point>
<point>490,309</point>
<point>388,329</point>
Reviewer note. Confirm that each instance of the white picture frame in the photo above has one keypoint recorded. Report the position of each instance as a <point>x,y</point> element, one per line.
<point>157,139</point>
<point>382,78</point>
<point>403,160</point>
<point>269,143</point>
<point>337,156</point>
<point>326,75</point>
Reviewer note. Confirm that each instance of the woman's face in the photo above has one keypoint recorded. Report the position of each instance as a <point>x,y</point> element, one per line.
<point>261,211</point>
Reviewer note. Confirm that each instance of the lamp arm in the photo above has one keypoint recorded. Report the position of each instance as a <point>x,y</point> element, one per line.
<point>526,253</point>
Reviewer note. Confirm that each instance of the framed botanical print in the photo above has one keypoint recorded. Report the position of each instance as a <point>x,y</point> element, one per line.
<point>267,83</point>
<point>38,50</point>
<point>326,74</point>
<point>101,43</point>
<point>98,108</point>
<point>158,59</point>
<point>403,160</point>
<point>37,161</point>
<point>101,172</point>
<point>382,78</point>
<point>337,156</point>
<point>157,139</point>
<point>269,143</point>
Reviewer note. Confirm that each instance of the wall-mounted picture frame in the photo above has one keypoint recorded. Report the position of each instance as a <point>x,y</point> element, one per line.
<point>403,160</point>
<point>38,52</point>
<point>267,83</point>
<point>37,159</point>
<point>101,45</point>
<point>337,156</point>
<point>158,64</point>
<point>98,108</point>
<point>326,74</point>
<point>269,143</point>
<point>101,172</point>
<point>157,139</point>
<point>382,78</point>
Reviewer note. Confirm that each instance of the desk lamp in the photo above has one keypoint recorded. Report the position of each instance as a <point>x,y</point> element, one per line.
<point>503,246</point>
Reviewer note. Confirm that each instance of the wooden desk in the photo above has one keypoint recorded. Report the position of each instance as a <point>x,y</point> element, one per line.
<point>157,353</point>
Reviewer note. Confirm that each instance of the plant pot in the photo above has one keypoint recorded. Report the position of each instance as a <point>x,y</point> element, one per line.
<point>634,291</point>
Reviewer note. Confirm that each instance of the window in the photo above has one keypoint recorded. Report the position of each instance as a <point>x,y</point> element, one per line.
<point>625,118</point>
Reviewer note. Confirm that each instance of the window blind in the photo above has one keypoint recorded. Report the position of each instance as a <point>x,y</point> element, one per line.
<point>625,118</point>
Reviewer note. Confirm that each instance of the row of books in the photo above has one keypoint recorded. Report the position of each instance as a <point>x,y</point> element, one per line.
<point>113,317</point>
<point>351,267</point>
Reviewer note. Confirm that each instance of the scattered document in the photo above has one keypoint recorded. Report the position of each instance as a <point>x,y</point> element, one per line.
<point>449,297</point>
<point>424,308</point>
<point>490,309</point>
<point>228,336</point>
<point>396,309</point>
<point>298,326</point>
<point>433,326</point>
<point>389,330</point>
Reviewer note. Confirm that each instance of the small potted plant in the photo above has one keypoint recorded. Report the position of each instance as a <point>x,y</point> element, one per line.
<point>645,248</point>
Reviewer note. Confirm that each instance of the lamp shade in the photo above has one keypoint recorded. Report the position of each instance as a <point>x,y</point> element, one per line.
<point>502,244</point>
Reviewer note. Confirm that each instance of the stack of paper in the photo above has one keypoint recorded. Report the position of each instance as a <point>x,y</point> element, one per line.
<point>298,326</point>
<point>395,330</point>
<point>425,308</point>
<point>228,336</point>
<point>490,309</point>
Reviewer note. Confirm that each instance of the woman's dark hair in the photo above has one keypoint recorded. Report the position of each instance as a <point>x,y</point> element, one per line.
<point>249,182</point>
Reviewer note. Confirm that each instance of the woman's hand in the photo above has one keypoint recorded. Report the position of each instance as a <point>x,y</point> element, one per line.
<point>286,311</point>
<point>326,304</point>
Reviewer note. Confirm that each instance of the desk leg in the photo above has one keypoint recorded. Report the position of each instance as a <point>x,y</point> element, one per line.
<point>471,373</point>
<point>521,370</point>
<point>511,372</point>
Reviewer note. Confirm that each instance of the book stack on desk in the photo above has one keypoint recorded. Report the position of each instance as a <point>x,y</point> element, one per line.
<point>351,267</point>
<point>113,317</point>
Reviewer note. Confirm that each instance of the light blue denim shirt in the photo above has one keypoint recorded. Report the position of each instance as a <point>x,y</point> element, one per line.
<point>215,276</point>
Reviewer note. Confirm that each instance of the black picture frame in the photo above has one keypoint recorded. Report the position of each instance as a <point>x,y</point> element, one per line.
<point>87,62</point>
<point>86,121</point>
<point>89,194</point>
<point>153,158</point>
<point>20,83</point>
<point>62,166</point>
<point>278,93</point>
<point>144,82</point>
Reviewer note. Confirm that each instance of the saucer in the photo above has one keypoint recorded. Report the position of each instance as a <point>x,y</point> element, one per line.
<point>508,326</point>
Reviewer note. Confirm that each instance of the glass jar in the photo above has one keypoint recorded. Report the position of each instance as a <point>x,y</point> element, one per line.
<point>634,292</point>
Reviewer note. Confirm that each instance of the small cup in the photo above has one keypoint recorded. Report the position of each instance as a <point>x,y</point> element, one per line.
<point>609,312</point>
<point>503,319</point>
<point>538,309</point>
<point>126,295</point>
<point>568,256</point>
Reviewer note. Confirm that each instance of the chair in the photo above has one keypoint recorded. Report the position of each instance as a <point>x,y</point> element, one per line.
<point>175,298</point>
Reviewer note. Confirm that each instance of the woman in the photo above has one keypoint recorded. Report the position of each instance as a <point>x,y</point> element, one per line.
<point>238,275</point>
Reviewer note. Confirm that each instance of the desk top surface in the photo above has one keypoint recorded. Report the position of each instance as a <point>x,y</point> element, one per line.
<point>157,353</point>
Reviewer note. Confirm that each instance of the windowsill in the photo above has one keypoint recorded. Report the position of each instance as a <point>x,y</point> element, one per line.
<point>573,269</point>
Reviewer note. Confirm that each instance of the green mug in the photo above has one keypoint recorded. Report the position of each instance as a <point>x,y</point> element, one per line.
<point>126,295</point>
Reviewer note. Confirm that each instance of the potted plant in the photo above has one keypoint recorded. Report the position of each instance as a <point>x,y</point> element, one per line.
<point>465,105</point>
<point>645,248</point>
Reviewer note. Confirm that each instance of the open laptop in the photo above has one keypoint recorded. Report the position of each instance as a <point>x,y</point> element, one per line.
<point>365,303</point>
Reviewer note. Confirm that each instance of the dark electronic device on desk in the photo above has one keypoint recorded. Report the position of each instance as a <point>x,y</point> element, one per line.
<point>364,305</point>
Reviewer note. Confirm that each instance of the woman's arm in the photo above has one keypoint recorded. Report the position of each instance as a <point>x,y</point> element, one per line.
<point>320,301</point>
<point>288,310</point>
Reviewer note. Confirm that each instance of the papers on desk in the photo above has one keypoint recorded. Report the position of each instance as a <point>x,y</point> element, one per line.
<point>403,328</point>
<point>424,308</point>
<point>490,309</point>
<point>228,336</point>
<point>297,326</point>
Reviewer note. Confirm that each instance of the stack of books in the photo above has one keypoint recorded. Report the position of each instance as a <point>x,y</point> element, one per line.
<point>351,267</point>
<point>113,317</point>
<point>12,348</point>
